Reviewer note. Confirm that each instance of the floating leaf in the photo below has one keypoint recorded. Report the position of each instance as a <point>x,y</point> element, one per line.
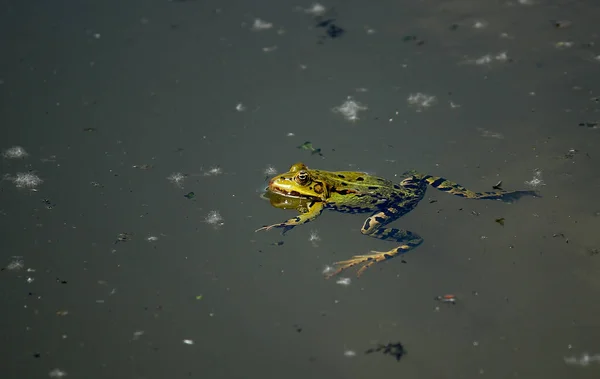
<point>396,350</point>
<point>500,221</point>
<point>189,195</point>
<point>498,186</point>
<point>308,146</point>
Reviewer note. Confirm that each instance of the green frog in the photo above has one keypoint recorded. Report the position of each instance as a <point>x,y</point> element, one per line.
<point>311,191</point>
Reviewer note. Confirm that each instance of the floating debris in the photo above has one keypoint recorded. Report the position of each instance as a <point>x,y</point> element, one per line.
<point>571,154</point>
<point>177,178</point>
<point>349,109</point>
<point>489,58</point>
<point>591,125</point>
<point>270,171</point>
<point>137,334</point>
<point>189,195</point>
<point>500,221</point>
<point>490,134</point>
<point>188,342</point>
<point>50,159</point>
<point>561,24</point>
<point>25,180</point>
<point>349,353</point>
<point>15,152</point>
<point>308,146</point>
<point>152,238</point>
<point>584,360</point>
<point>563,44</point>
<point>124,237</point>
<point>448,298</point>
<point>57,373</point>
<point>413,38</point>
<point>90,130</point>
<point>316,10</point>
<point>421,101</point>
<point>214,218</point>
<point>16,264</point>
<point>279,243</point>
<point>314,237</point>
<point>259,25</point>
<point>215,170</point>
<point>344,281</point>
<point>331,29</point>
<point>143,166</point>
<point>240,107</point>
<point>49,204</point>
<point>537,180</point>
<point>396,350</point>
<point>369,30</point>
<point>561,235</point>
<point>498,186</point>
<point>480,24</point>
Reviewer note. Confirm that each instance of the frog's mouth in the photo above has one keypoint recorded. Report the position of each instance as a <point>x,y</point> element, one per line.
<point>292,193</point>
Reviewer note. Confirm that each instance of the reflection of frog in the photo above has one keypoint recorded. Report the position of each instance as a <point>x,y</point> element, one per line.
<point>312,191</point>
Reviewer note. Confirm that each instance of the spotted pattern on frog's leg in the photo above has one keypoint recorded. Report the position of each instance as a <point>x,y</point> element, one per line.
<point>456,189</point>
<point>382,218</point>
<point>373,228</point>
<point>399,235</point>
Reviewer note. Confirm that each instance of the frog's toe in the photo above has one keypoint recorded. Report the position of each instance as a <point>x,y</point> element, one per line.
<point>366,260</point>
<point>266,228</point>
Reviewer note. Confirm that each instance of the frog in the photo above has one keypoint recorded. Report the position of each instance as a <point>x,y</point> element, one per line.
<point>312,191</point>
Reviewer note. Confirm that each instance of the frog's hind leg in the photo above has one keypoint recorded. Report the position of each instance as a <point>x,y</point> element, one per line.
<point>373,227</point>
<point>456,189</point>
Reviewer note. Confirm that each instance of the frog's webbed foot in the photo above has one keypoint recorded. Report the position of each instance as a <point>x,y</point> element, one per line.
<point>367,260</point>
<point>512,196</point>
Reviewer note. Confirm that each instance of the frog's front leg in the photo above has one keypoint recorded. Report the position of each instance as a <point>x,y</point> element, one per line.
<point>314,211</point>
<point>373,227</point>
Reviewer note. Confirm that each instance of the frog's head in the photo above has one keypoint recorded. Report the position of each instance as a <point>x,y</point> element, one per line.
<point>299,183</point>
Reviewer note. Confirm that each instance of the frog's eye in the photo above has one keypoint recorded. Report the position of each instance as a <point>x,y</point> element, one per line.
<point>302,177</point>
